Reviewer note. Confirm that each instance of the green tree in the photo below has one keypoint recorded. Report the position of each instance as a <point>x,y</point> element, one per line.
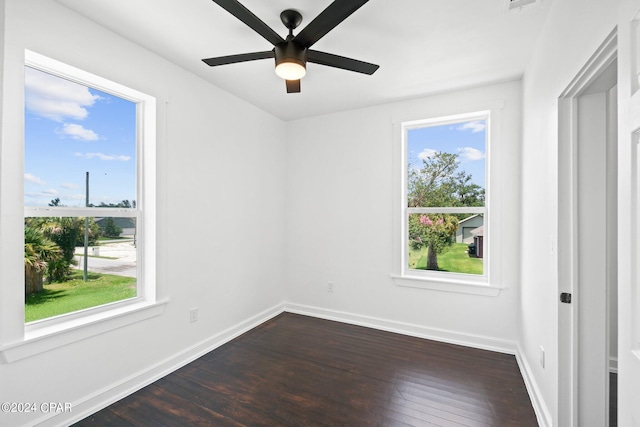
<point>439,183</point>
<point>434,231</point>
<point>94,233</point>
<point>67,233</point>
<point>39,252</point>
<point>123,204</point>
<point>111,229</point>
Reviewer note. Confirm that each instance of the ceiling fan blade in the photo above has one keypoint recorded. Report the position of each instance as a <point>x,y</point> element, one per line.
<point>336,61</point>
<point>328,19</point>
<point>232,59</point>
<point>246,16</point>
<point>293,86</point>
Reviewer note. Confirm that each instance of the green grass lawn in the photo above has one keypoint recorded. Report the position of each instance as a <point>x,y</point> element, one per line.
<point>75,294</point>
<point>455,260</point>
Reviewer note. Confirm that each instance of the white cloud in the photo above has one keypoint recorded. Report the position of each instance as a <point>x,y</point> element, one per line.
<point>33,179</point>
<point>474,127</point>
<point>70,186</point>
<point>76,131</point>
<point>471,154</point>
<point>50,192</point>
<point>106,157</point>
<point>426,154</point>
<point>56,98</point>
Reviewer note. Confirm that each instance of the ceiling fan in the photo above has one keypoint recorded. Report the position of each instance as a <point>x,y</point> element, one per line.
<point>293,53</point>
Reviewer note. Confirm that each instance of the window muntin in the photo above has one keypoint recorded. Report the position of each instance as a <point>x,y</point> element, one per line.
<point>444,188</point>
<point>75,123</point>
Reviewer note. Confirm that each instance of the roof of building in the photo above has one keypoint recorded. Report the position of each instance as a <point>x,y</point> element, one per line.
<point>478,231</point>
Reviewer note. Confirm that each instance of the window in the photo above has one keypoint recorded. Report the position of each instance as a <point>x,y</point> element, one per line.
<point>89,203</point>
<point>444,221</point>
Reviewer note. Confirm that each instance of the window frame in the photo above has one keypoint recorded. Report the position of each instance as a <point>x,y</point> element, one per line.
<point>45,334</point>
<point>486,284</point>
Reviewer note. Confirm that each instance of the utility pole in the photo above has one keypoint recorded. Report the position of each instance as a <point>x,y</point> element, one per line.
<point>86,233</point>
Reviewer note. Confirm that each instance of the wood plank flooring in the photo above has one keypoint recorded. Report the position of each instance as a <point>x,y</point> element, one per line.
<point>613,400</point>
<point>300,371</point>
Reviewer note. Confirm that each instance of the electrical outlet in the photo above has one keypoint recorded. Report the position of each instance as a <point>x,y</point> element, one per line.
<point>193,314</point>
<point>330,286</point>
<point>542,356</point>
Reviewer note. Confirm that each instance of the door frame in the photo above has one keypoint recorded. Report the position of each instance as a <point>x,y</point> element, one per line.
<point>567,199</point>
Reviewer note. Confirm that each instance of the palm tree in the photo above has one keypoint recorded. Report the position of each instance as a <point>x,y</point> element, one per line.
<point>38,252</point>
<point>66,232</point>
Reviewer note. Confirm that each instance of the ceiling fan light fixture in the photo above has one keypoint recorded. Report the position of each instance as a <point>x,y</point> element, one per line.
<point>291,70</point>
<point>291,60</point>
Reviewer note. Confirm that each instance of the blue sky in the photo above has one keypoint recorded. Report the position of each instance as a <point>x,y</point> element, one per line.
<point>71,129</point>
<point>466,139</point>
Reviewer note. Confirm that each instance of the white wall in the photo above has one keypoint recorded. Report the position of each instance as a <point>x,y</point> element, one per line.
<point>571,35</point>
<point>340,222</point>
<point>221,186</point>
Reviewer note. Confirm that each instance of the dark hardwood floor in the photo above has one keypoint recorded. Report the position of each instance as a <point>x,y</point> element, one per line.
<point>613,400</point>
<point>300,371</point>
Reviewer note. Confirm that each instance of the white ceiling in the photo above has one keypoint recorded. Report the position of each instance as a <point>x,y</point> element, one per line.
<point>422,46</point>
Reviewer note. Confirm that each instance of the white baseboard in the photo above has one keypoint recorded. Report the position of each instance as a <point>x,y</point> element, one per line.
<point>537,400</point>
<point>114,392</point>
<point>419,331</point>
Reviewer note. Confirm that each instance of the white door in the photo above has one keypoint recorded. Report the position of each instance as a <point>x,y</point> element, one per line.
<point>586,237</point>
<point>594,241</point>
<point>629,216</point>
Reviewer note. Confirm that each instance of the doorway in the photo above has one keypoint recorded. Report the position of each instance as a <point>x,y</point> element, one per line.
<point>587,243</point>
<point>597,246</point>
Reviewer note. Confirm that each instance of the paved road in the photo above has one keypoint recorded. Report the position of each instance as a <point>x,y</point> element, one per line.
<point>108,266</point>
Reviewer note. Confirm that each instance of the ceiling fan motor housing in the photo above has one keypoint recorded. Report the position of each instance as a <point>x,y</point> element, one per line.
<point>290,51</point>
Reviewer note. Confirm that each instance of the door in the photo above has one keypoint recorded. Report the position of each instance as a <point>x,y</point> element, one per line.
<point>587,238</point>
<point>596,143</point>
<point>628,216</point>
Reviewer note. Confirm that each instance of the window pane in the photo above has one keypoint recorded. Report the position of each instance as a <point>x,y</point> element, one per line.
<point>54,264</point>
<point>446,169</point>
<point>76,135</point>
<point>451,243</point>
<point>80,151</point>
<point>446,165</point>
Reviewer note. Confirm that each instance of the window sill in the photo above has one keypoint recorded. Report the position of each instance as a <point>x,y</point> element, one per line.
<point>437,284</point>
<point>47,338</point>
